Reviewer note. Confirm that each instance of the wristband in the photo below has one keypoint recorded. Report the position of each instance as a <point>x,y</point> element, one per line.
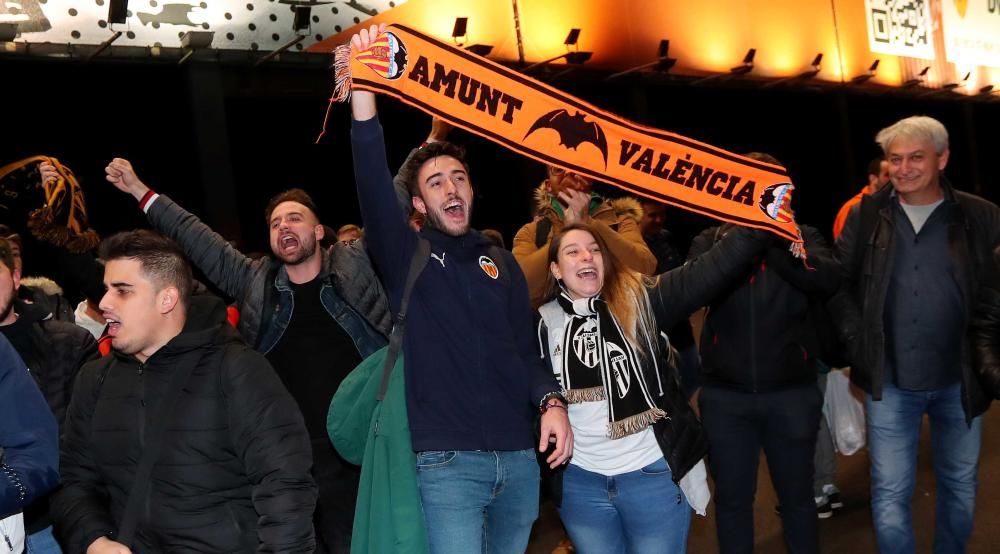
<point>551,405</point>
<point>146,198</point>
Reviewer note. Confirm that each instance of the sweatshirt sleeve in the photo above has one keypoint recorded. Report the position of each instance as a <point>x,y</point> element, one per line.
<point>390,239</point>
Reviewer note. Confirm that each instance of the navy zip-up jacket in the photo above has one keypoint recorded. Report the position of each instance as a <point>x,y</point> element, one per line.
<point>29,436</point>
<point>474,378</point>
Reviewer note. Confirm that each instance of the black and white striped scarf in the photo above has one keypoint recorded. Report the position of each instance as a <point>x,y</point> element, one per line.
<point>599,363</point>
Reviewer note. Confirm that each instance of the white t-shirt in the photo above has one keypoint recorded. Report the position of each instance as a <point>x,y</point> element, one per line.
<point>594,451</point>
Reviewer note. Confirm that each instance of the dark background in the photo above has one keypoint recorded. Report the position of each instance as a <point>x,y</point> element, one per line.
<point>221,139</point>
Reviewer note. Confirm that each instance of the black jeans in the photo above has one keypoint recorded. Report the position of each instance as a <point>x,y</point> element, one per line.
<point>785,424</point>
<point>337,481</point>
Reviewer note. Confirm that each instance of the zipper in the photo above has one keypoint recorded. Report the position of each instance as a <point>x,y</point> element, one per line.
<point>142,406</point>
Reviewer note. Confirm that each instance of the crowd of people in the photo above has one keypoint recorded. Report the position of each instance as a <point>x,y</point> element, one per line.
<point>155,418</point>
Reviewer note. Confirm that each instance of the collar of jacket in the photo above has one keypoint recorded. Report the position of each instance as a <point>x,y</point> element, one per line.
<point>281,281</point>
<point>29,313</point>
<point>471,241</point>
<point>206,321</point>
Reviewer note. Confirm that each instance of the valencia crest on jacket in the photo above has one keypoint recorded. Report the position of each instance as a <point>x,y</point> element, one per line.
<point>488,267</point>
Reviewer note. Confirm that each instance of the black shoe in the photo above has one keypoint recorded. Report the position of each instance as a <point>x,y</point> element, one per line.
<point>835,502</point>
<point>824,510</point>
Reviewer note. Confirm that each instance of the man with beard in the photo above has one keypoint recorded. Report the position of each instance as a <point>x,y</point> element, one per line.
<point>474,381</point>
<point>565,198</point>
<point>327,303</point>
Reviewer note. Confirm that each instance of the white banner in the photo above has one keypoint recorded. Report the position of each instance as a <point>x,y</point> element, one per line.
<point>901,27</point>
<point>972,31</point>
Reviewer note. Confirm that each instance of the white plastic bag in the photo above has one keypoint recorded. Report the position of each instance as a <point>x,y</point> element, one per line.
<point>844,414</point>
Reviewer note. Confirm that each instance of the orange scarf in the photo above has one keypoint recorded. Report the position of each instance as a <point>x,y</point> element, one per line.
<point>543,123</point>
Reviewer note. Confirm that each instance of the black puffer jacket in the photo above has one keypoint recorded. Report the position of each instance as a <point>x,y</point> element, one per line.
<point>54,351</point>
<point>233,472</point>
<point>757,336</point>
<point>864,253</point>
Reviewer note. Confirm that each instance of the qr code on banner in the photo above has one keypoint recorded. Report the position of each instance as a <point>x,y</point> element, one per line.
<point>900,22</point>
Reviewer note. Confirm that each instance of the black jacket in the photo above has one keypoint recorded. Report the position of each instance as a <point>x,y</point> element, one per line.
<point>756,336</point>
<point>864,251</point>
<point>233,473</point>
<point>54,351</point>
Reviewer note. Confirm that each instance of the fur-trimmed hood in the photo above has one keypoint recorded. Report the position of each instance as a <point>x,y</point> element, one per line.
<point>624,207</point>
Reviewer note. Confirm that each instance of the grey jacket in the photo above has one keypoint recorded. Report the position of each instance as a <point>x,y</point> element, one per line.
<point>352,293</point>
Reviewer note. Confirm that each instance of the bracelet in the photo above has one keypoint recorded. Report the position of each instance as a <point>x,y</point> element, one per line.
<point>551,405</point>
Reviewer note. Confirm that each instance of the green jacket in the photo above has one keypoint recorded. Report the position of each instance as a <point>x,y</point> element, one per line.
<point>388,518</point>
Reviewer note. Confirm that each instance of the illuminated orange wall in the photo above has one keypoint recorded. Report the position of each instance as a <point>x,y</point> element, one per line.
<point>707,36</point>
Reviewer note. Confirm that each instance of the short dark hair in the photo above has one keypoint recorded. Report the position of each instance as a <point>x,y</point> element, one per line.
<point>7,253</point>
<point>161,260</point>
<point>412,166</point>
<point>763,157</point>
<point>875,166</point>
<point>10,234</point>
<point>290,195</point>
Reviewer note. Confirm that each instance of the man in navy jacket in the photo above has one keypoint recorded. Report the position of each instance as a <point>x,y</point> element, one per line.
<point>474,378</point>
<point>29,438</point>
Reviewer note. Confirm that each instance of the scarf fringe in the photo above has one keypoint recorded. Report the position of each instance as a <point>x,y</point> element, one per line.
<point>41,223</point>
<point>634,424</point>
<point>590,394</point>
<point>341,82</point>
<point>341,73</point>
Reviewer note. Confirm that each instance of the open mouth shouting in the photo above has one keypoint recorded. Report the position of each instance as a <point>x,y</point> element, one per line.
<point>454,210</point>
<point>114,326</point>
<point>587,274</point>
<point>288,243</point>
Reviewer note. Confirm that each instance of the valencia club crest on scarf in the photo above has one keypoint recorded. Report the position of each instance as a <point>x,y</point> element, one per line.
<point>488,267</point>
<point>386,57</point>
<point>776,202</point>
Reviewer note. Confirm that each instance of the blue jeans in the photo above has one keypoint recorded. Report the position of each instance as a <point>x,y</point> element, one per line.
<point>478,501</point>
<point>41,542</point>
<point>893,437</point>
<point>640,512</point>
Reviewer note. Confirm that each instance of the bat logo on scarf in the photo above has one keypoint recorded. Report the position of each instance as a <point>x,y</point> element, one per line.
<point>776,202</point>
<point>573,130</point>
<point>386,56</point>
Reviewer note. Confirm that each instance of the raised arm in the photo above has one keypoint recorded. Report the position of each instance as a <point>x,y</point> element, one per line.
<point>819,278</point>
<point>222,264</point>
<point>682,290</point>
<point>390,239</point>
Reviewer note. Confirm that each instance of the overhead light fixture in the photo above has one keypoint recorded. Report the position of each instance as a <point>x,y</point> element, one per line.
<point>195,40</point>
<point>918,79</point>
<point>663,63</point>
<point>8,32</point>
<point>301,21</point>
<point>572,38</point>
<point>809,74</point>
<point>865,77</point>
<point>117,11</point>
<point>988,89</point>
<point>747,65</point>
<point>953,86</point>
<point>574,56</point>
<point>461,31</point>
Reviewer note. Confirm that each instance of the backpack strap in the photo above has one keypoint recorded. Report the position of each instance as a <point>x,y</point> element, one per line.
<point>417,265</point>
